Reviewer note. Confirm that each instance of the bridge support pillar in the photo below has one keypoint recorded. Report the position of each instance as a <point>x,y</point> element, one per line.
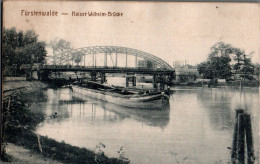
<point>127,82</point>
<point>93,76</point>
<point>134,80</point>
<point>162,82</point>
<point>131,79</point>
<point>155,81</point>
<point>103,78</point>
<point>161,85</point>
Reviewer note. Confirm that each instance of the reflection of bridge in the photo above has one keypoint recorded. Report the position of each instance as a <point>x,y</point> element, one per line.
<point>109,59</point>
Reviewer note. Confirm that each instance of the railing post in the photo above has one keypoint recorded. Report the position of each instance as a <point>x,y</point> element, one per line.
<point>84,58</point>
<point>95,59</point>
<point>135,60</point>
<point>126,59</point>
<point>105,59</point>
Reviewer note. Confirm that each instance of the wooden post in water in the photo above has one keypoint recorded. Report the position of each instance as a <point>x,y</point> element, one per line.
<point>242,133</point>
<point>249,139</point>
<point>241,139</point>
<point>234,145</point>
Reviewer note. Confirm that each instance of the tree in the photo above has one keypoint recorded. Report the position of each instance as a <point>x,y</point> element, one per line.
<point>9,45</point>
<point>22,48</point>
<point>77,57</point>
<point>247,69</point>
<point>205,70</point>
<point>30,37</point>
<point>243,65</point>
<point>220,49</point>
<point>218,63</point>
<point>150,64</point>
<point>59,46</point>
<point>220,67</point>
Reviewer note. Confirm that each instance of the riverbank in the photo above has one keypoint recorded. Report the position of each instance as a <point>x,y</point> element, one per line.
<point>50,150</point>
<point>18,124</point>
<point>22,87</point>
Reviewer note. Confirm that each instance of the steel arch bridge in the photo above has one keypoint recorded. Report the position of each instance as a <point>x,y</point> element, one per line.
<point>68,57</point>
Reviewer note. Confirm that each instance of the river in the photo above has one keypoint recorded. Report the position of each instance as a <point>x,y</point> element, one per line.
<point>196,127</point>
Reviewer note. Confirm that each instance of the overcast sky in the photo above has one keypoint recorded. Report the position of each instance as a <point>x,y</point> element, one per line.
<point>171,31</point>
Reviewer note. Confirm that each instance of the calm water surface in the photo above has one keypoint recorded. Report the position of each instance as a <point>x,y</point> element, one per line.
<point>196,127</point>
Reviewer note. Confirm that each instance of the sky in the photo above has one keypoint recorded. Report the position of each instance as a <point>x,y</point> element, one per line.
<point>172,31</point>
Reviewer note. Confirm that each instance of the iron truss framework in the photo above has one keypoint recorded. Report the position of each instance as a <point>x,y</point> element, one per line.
<point>66,57</point>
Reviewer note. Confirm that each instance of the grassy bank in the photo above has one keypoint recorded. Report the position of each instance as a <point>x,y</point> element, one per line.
<point>22,87</point>
<point>18,124</point>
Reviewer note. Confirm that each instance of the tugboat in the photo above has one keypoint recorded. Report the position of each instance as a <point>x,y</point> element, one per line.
<point>133,98</point>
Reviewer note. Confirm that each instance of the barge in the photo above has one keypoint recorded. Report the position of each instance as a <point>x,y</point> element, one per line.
<point>132,98</point>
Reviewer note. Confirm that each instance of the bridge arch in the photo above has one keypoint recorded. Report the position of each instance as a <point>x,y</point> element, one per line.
<point>67,56</point>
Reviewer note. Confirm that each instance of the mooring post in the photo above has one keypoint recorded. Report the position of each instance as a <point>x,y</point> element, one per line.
<point>241,139</point>
<point>234,145</point>
<point>249,139</point>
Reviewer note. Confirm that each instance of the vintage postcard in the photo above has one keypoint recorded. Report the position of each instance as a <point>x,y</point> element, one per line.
<point>130,82</point>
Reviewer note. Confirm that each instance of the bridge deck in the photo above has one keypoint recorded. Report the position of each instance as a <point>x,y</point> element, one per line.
<point>103,69</point>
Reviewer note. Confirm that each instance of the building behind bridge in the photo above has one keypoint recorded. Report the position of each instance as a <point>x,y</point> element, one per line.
<point>146,64</point>
<point>185,74</point>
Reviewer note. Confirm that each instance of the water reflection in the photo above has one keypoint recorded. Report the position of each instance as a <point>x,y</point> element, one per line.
<point>218,105</point>
<point>158,118</point>
<point>67,104</point>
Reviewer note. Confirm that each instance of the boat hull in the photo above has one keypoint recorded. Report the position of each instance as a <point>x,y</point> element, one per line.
<point>145,102</point>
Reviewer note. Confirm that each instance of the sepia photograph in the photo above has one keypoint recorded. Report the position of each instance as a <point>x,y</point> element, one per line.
<point>130,82</point>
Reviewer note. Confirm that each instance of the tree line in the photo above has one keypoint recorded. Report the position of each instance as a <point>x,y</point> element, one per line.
<point>220,65</point>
